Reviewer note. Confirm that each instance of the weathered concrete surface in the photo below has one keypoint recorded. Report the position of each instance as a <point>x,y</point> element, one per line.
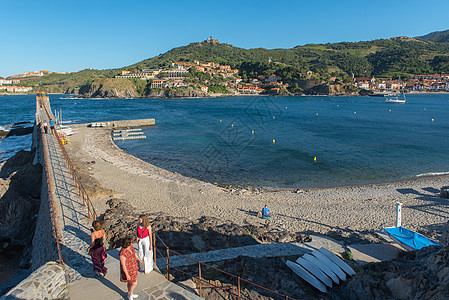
<point>368,253</point>
<point>256,251</point>
<point>149,286</point>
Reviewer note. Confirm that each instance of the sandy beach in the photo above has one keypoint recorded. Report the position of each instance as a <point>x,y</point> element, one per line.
<point>345,210</point>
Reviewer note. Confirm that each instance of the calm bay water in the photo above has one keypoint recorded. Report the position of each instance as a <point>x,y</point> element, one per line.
<point>355,140</point>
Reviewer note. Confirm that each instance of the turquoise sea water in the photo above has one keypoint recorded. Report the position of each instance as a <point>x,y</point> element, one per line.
<point>355,140</point>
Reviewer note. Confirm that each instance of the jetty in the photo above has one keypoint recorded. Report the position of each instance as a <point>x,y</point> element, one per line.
<point>61,266</point>
<point>128,134</point>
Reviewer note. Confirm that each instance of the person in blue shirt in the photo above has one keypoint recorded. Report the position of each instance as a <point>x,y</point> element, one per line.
<point>52,125</point>
<point>266,212</point>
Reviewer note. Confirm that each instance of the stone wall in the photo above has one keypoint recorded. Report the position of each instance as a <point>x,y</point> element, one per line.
<point>47,282</point>
<point>44,247</point>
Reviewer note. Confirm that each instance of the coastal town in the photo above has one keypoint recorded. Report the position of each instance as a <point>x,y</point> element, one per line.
<point>213,78</point>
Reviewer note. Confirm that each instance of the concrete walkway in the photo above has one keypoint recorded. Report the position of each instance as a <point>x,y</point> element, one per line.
<point>73,220</point>
<point>256,251</point>
<point>149,286</point>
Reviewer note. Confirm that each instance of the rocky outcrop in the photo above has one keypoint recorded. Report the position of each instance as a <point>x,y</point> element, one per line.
<point>20,186</point>
<point>187,236</point>
<point>109,88</point>
<point>119,88</point>
<point>329,90</point>
<point>176,93</point>
<point>422,274</point>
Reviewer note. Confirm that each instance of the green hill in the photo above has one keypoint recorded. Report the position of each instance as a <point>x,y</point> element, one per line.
<point>436,37</point>
<point>401,56</point>
<point>393,57</point>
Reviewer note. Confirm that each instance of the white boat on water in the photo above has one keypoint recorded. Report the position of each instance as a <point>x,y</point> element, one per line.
<point>395,99</point>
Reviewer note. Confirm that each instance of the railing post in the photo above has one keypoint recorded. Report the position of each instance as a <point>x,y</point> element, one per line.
<point>168,263</point>
<point>238,287</point>
<point>154,248</point>
<point>199,277</point>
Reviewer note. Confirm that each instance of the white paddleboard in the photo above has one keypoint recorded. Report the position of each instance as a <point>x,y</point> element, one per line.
<point>335,268</point>
<point>312,269</point>
<point>301,272</point>
<point>337,260</point>
<point>322,266</point>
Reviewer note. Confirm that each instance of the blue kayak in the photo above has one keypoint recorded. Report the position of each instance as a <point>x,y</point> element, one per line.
<point>409,239</point>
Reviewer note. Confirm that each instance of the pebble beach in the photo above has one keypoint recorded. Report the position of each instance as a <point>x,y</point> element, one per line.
<point>363,209</point>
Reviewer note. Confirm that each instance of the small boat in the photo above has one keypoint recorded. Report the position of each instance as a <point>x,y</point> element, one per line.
<point>301,272</point>
<point>322,266</point>
<point>409,239</point>
<point>315,271</point>
<point>336,269</point>
<point>336,260</point>
<point>395,99</point>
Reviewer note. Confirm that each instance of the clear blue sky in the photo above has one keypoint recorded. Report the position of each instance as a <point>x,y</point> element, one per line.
<point>67,35</point>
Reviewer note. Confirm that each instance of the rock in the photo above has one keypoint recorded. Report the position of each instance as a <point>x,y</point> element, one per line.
<point>400,287</point>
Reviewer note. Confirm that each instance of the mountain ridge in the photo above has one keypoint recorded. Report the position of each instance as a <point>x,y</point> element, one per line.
<point>391,58</point>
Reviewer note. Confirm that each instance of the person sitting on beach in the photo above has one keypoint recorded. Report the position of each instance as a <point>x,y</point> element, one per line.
<point>265,213</point>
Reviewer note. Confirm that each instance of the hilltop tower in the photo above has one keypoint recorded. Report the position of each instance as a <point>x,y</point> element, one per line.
<point>211,40</point>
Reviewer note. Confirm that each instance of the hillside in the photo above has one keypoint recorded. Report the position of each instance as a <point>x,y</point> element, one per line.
<point>436,37</point>
<point>401,56</point>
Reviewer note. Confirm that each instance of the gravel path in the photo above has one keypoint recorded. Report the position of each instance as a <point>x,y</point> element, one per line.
<point>345,209</point>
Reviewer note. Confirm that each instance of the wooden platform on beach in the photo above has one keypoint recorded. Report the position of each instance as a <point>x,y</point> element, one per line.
<point>124,123</point>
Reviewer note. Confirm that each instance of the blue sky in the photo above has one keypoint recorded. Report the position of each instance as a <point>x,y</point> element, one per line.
<point>73,35</point>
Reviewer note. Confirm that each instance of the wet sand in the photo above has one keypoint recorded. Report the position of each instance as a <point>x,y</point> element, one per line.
<point>345,209</point>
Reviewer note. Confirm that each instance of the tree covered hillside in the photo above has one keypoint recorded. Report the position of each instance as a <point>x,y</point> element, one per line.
<point>385,57</point>
<point>401,56</point>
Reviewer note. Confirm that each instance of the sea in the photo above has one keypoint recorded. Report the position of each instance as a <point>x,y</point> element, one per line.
<point>267,141</point>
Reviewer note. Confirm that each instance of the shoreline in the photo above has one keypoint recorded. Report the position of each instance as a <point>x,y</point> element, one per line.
<point>348,210</point>
<point>77,96</point>
<point>216,95</point>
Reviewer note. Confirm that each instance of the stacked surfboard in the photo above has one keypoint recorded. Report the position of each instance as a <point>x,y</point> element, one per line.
<point>321,268</point>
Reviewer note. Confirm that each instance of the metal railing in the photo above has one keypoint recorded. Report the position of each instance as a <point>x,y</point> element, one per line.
<point>204,283</point>
<point>91,213</point>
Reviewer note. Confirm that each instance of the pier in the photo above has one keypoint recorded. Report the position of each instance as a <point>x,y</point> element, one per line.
<point>62,268</point>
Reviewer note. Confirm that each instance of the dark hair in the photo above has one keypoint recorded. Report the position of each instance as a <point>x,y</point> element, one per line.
<point>97,225</point>
<point>127,241</point>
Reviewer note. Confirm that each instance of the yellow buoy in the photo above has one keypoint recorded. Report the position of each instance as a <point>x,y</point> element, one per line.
<point>316,114</point>
<point>314,159</point>
<point>274,141</point>
<point>273,117</point>
<point>433,120</point>
<point>232,125</point>
<point>252,132</point>
<point>220,121</point>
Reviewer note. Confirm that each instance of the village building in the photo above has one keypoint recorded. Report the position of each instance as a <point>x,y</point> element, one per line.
<point>158,84</point>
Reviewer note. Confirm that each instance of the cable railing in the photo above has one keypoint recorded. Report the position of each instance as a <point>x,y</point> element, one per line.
<point>203,283</point>
<point>91,213</point>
